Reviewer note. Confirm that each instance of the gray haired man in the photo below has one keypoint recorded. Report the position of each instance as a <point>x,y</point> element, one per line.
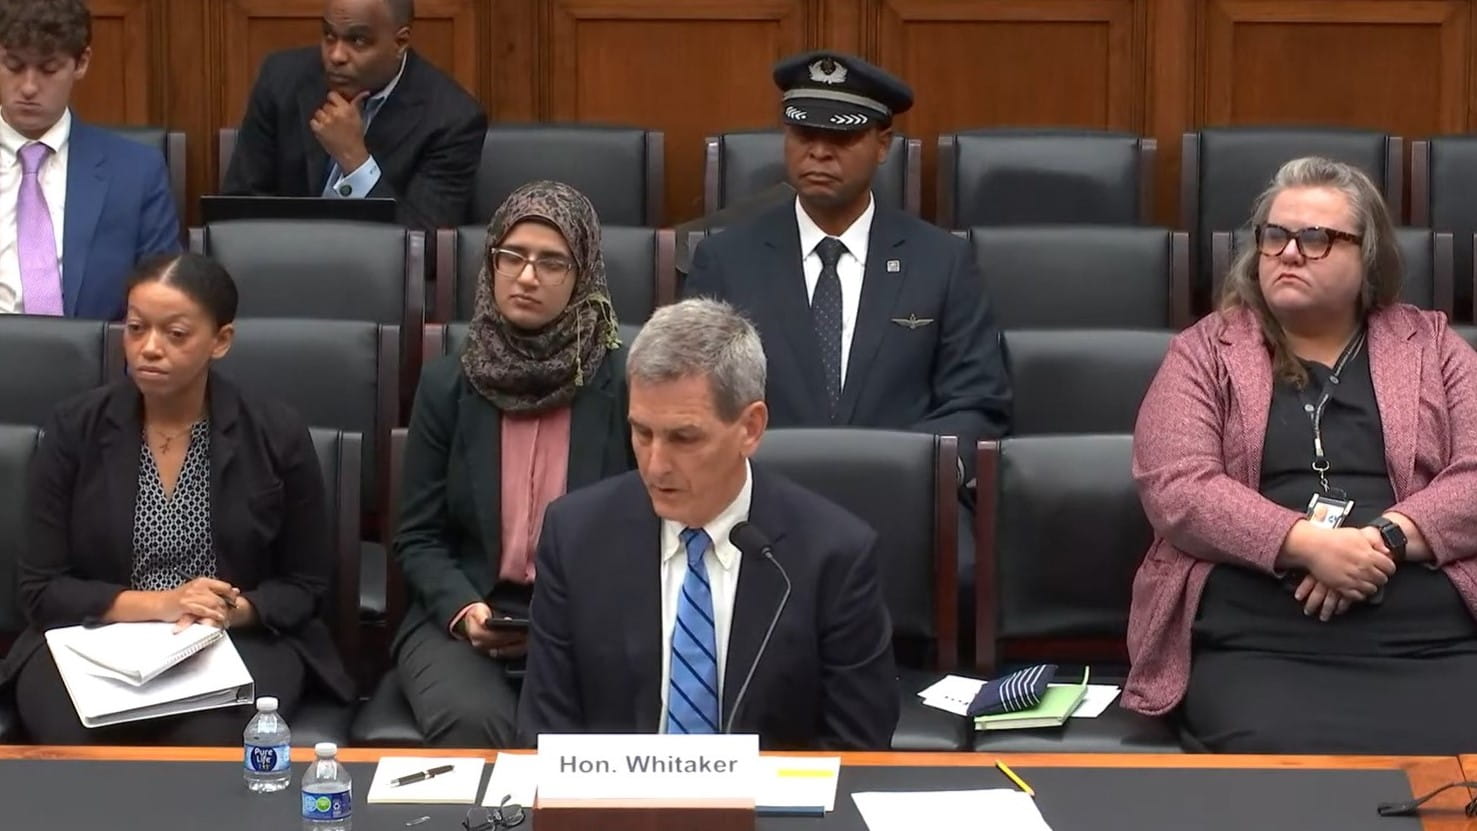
<point>655,589</point>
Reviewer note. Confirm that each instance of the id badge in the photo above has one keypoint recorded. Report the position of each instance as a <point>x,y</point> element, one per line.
<point>1328,512</point>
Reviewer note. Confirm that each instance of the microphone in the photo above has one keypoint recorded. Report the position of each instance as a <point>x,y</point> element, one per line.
<point>751,542</point>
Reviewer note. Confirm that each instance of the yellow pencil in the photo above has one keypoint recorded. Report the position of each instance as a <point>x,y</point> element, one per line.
<point>1005,769</point>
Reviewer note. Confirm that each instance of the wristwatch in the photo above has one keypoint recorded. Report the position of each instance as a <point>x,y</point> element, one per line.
<point>1392,535</point>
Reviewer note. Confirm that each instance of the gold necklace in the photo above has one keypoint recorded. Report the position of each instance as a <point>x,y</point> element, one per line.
<point>169,439</point>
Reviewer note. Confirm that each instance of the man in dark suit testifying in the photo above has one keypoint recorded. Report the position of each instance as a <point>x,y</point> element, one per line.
<point>363,116</point>
<point>656,589</point>
<point>870,316</point>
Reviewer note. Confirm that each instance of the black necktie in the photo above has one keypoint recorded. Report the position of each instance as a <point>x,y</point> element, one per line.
<point>825,311</point>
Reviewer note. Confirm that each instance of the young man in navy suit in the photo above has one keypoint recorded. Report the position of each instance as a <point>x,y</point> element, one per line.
<point>870,316</point>
<point>79,206</point>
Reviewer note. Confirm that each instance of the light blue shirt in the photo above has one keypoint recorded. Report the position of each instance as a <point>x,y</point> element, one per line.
<point>363,179</point>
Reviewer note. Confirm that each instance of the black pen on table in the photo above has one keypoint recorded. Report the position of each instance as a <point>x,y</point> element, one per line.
<point>421,775</point>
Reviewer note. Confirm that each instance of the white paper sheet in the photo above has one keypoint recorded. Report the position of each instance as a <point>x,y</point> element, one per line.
<point>1099,697</point>
<point>996,809</point>
<point>458,787</point>
<point>798,782</point>
<point>514,775</point>
<point>952,694</point>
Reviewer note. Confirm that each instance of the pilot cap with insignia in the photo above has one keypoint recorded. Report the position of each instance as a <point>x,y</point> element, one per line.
<point>836,91</point>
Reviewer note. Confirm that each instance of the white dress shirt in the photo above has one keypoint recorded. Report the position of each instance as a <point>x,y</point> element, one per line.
<point>851,268</point>
<point>722,562</point>
<point>53,176</point>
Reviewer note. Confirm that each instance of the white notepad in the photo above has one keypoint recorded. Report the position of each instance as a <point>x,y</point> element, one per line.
<point>137,653</point>
<point>211,678</point>
<point>456,787</point>
<point>515,776</point>
<point>997,809</point>
<point>798,782</point>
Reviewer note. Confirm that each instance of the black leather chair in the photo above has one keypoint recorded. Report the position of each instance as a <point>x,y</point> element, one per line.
<point>1224,169</point>
<point>1059,533</point>
<point>319,719</point>
<point>1443,177</point>
<point>904,486</point>
<point>1043,177</point>
<point>638,270</point>
<point>1080,380</point>
<point>339,374</point>
<point>170,144</point>
<point>1084,276</point>
<point>618,168</point>
<point>49,359</point>
<point>743,164</point>
<point>1425,255</point>
<point>225,142</point>
<point>17,446</point>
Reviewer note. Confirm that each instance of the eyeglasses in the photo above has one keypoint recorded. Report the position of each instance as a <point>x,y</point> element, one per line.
<point>506,815</point>
<point>551,271</point>
<point>1313,242</point>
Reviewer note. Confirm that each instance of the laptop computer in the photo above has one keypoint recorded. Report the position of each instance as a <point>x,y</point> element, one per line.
<point>227,208</point>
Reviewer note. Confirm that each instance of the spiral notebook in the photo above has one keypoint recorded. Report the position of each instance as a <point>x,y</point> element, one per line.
<point>213,676</point>
<point>137,653</point>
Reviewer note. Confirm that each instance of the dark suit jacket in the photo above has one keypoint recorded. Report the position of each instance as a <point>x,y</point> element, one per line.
<point>945,376</point>
<point>826,681</point>
<point>449,541</point>
<point>427,139</point>
<point>119,211</point>
<point>268,516</point>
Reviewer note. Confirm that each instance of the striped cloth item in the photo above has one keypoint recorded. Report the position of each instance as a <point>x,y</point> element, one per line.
<point>1020,690</point>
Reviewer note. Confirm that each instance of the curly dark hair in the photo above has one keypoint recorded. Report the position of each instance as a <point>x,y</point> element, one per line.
<point>46,27</point>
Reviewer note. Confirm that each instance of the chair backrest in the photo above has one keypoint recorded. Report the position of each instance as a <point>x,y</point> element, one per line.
<point>332,269</point>
<point>638,270</point>
<point>1084,276</point>
<point>339,457</point>
<point>904,486</point>
<point>170,144</point>
<point>1425,257</point>
<point>17,446</point>
<point>1044,176</point>
<point>618,168</point>
<point>1224,169</point>
<point>1468,334</point>
<point>745,163</point>
<point>338,374</point>
<point>1443,177</point>
<point>1059,533</point>
<point>449,338</point>
<point>1080,380</point>
<point>49,359</point>
<point>225,140</point>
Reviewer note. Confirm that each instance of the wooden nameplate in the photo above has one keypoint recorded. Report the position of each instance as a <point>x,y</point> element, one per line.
<point>643,815</point>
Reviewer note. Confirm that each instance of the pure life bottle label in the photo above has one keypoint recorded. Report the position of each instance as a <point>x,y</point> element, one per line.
<point>269,759</point>
<point>327,806</point>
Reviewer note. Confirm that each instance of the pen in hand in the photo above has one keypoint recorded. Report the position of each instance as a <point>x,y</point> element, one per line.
<point>421,775</point>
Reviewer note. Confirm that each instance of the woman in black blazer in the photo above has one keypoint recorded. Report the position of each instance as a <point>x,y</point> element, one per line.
<point>533,407</point>
<point>169,496</point>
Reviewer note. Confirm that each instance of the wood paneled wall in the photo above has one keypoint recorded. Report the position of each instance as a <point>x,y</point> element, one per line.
<point>696,67</point>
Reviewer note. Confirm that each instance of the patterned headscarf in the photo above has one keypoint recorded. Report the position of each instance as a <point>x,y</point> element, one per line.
<point>524,371</point>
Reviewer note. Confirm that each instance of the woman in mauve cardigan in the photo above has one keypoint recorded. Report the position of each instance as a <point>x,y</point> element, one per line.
<point>1259,630</point>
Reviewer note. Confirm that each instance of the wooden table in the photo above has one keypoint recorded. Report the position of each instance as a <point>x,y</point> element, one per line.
<point>1426,773</point>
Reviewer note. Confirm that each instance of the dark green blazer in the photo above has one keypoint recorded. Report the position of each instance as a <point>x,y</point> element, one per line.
<point>449,540</point>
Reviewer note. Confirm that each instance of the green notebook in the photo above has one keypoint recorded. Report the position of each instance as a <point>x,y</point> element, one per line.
<point>1057,705</point>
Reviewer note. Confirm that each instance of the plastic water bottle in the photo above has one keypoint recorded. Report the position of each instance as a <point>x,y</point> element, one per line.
<point>268,747</point>
<point>328,794</point>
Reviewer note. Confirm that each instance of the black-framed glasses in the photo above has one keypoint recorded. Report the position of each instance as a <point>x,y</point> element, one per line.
<point>1313,242</point>
<point>551,270</point>
<point>506,815</point>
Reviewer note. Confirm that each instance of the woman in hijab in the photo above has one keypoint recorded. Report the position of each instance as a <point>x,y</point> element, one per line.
<point>534,406</point>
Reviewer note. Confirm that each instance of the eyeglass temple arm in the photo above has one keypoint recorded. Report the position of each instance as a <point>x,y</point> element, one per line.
<point>1409,807</point>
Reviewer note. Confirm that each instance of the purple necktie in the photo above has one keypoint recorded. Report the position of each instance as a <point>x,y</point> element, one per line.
<point>41,279</point>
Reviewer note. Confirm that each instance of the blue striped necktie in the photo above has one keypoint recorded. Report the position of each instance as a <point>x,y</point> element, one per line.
<point>692,695</point>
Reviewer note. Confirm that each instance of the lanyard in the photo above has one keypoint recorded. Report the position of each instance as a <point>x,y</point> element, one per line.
<point>1315,411</point>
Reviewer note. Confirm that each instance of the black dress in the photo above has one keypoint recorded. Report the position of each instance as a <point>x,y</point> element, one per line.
<point>1395,678</point>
